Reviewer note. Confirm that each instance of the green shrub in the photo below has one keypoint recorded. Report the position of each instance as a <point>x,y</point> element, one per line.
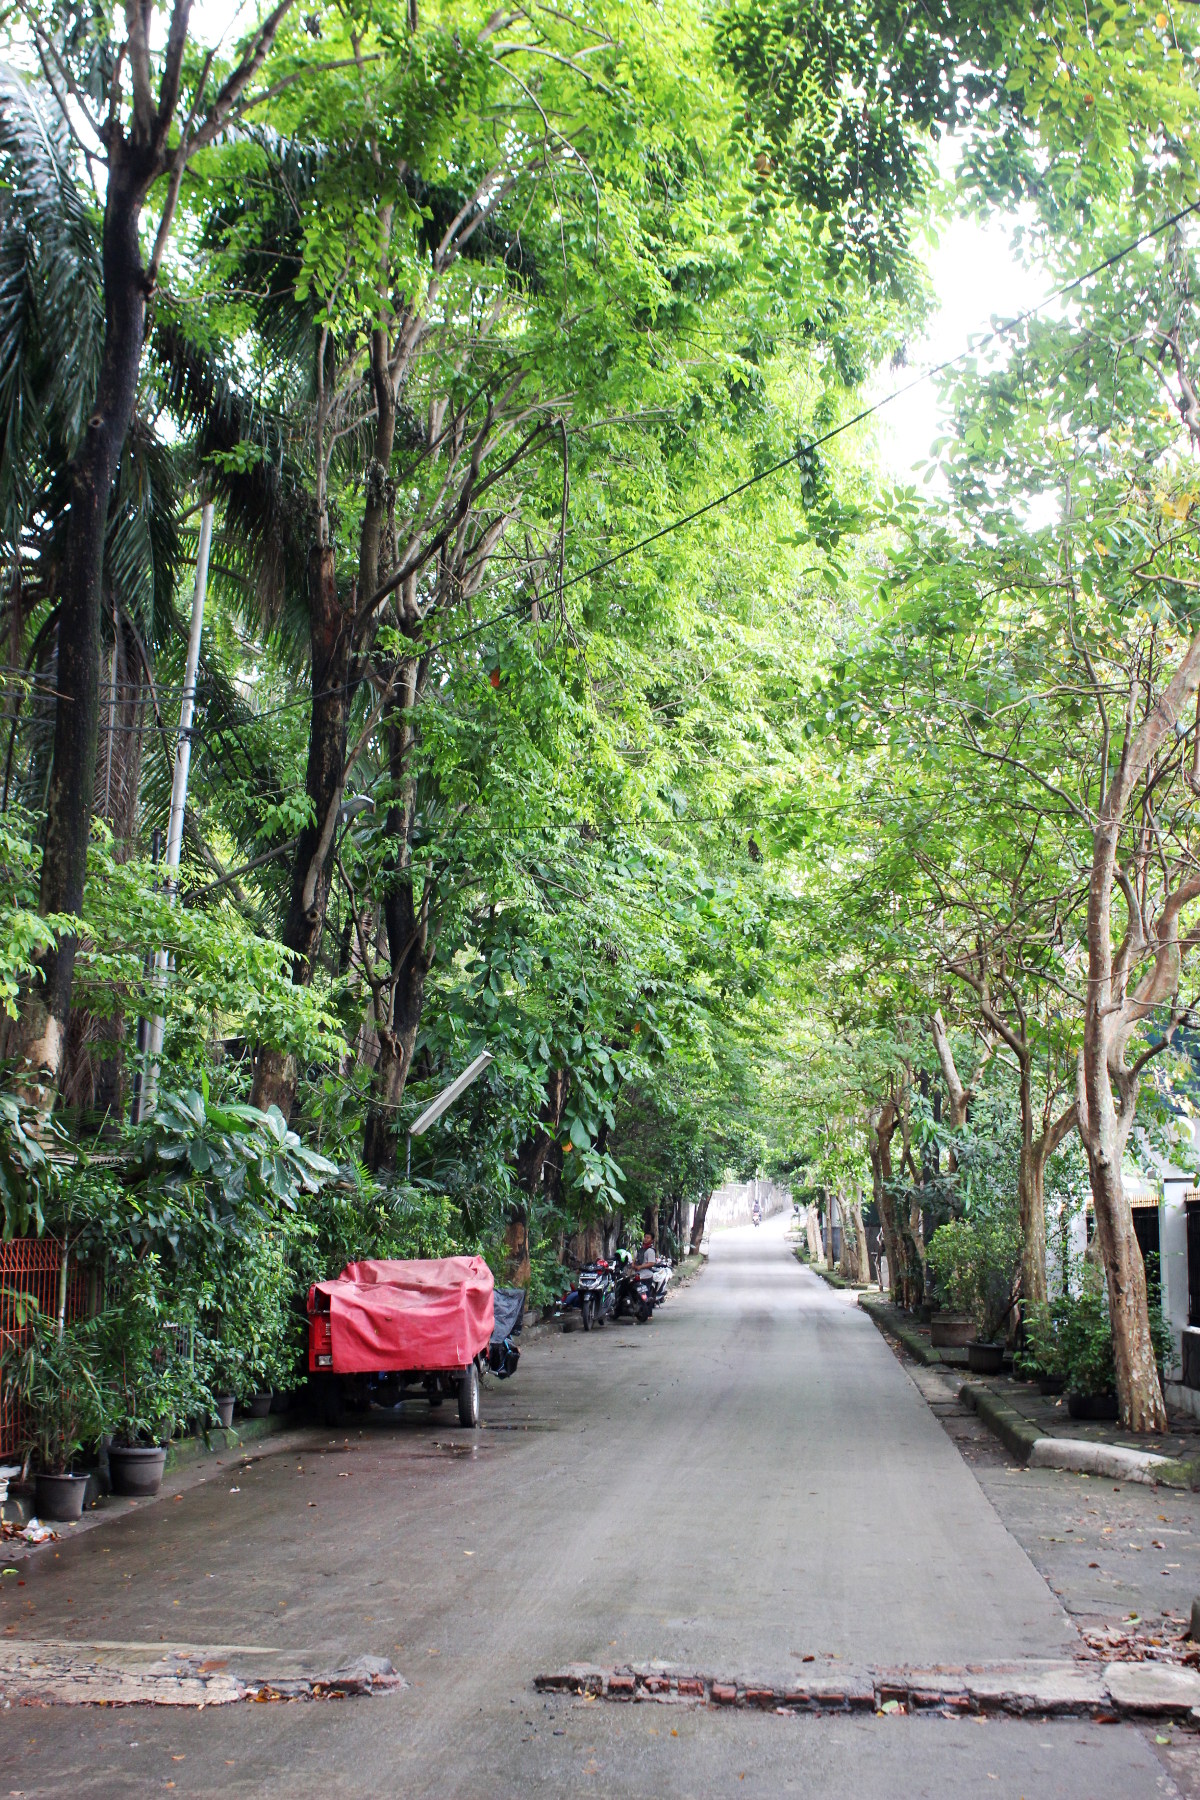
<point>1071,1337</point>
<point>55,1379</point>
<point>152,1385</point>
<point>976,1261</point>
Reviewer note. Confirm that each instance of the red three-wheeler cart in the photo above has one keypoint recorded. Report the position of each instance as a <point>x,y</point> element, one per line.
<point>387,1331</point>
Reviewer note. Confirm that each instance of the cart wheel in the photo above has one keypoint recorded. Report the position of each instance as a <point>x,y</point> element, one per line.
<point>585,1313</point>
<point>468,1399</point>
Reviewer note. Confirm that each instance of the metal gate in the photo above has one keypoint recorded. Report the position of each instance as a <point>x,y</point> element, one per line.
<point>30,1266</point>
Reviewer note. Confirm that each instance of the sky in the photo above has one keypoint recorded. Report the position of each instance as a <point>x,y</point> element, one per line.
<point>979,283</point>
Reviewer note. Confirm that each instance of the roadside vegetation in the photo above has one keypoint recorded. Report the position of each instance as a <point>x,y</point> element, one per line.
<point>844,833</point>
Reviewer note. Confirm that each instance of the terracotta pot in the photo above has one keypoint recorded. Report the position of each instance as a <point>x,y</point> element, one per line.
<point>225,1405</point>
<point>985,1359</point>
<point>259,1406</point>
<point>1093,1406</point>
<point>61,1496</point>
<point>137,1470</point>
<point>950,1331</point>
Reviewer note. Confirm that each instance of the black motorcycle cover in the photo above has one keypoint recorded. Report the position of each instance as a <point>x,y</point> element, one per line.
<point>509,1309</point>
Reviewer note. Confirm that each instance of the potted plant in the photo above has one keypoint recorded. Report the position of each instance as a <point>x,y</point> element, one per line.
<point>51,1373</point>
<point>220,1365</point>
<point>976,1260</point>
<point>256,1326</point>
<point>1071,1339</point>
<point>151,1381</point>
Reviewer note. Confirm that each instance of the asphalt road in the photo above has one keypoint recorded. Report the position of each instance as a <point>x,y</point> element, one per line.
<point>748,1481</point>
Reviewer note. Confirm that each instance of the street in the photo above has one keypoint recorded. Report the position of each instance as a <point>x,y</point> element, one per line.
<point>749,1481</point>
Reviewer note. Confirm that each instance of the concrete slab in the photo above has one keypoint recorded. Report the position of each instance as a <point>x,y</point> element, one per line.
<point>1153,1687</point>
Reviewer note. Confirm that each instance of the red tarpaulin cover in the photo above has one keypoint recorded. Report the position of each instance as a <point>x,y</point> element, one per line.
<point>434,1314</point>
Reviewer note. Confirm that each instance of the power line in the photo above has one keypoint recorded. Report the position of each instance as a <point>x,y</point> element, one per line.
<point>990,337</point>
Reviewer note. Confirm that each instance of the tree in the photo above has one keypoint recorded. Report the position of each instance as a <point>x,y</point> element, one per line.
<point>125,104</point>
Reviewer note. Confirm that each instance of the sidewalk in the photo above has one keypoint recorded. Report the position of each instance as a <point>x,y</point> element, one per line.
<point>1038,1428</point>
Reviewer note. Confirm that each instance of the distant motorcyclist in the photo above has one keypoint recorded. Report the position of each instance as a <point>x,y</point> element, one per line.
<point>757,1213</point>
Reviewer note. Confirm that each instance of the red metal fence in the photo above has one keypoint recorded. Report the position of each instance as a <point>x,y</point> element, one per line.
<point>30,1266</point>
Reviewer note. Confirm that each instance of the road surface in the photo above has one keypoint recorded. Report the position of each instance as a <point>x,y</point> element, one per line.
<point>746,1482</point>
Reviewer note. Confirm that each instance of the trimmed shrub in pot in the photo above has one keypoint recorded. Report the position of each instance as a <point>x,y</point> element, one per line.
<point>151,1381</point>
<point>977,1259</point>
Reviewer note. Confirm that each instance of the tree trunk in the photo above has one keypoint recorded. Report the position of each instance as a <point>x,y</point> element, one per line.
<point>407,920</point>
<point>1031,1169</point>
<point>1138,1387</point>
<point>531,1157</point>
<point>92,1079</point>
<point>330,633</point>
<point>958,1096</point>
<point>697,1236</point>
<point>533,1164</point>
<point>882,1125</point>
<point>849,1267</point>
<point>412,955</point>
<point>905,1267</point>
<point>1104,1132</point>
<point>46,1004</point>
<point>812,1230</point>
<point>518,1270</point>
<point>860,1233</point>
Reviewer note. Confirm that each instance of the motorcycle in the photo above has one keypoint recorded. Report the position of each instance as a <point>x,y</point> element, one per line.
<point>591,1297</point>
<point>658,1276</point>
<point>596,1289</point>
<point>636,1293</point>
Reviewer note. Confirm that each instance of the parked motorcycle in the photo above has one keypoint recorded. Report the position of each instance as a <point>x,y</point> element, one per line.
<point>658,1275</point>
<point>636,1293</point>
<point>591,1298</point>
<point>596,1288</point>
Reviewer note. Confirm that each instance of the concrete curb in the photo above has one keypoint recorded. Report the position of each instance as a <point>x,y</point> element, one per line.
<point>1012,1428</point>
<point>889,1322</point>
<point>1021,1439</point>
<point>1113,1460</point>
<point>185,1451</point>
<point>831,1278</point>
<point>1031,1689</point>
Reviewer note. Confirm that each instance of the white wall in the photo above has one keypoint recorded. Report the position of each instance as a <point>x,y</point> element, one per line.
<point>733,1204</point>
<point>1172,1241</point>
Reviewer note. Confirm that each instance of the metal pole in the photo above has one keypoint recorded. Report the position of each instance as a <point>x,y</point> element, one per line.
<point>179,784</point>
<point>143,1024</point>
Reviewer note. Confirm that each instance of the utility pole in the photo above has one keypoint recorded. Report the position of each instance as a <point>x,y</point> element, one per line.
<point>444,1101</point>
<point>179,785</point>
